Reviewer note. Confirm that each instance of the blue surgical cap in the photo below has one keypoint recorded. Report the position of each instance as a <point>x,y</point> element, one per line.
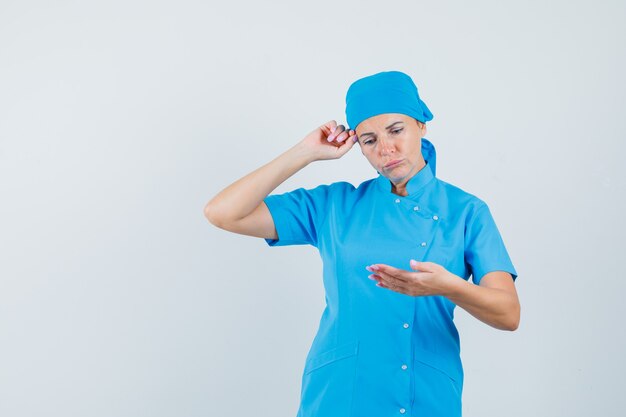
<point>384,92</point>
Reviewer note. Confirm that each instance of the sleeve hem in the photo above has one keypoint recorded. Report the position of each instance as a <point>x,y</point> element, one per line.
<point>481,274</point>
<point>285,237</point>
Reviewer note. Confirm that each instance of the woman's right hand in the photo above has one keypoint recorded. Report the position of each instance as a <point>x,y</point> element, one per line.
<point>319,147</point>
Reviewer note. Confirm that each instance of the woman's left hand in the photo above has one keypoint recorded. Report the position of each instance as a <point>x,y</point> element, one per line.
<point>431,278</point>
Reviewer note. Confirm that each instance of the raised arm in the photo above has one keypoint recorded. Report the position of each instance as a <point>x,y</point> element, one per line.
<point>239,208</point>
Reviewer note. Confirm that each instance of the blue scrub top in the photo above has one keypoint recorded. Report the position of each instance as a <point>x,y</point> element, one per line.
<point>378,352</point>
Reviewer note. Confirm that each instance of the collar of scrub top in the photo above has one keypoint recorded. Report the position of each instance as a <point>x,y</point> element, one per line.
<point>417,182</point>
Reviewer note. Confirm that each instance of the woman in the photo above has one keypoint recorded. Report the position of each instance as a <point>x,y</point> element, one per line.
<point>389,348</point>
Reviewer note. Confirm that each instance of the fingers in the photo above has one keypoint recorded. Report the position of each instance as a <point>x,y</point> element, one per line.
<point>418,266</point>
<point>425,266</point>
<point>329,127</point>
<point>389,272</point>
<point>343,148</point>
<point>389,282</point>
<point>340,134</point>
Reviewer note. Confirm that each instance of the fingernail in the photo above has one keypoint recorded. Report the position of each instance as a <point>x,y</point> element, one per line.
<point>330,138</point>
<point>332,129</point>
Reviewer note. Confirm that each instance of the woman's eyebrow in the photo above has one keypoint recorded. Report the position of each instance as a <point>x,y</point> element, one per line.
<point>373,134</point>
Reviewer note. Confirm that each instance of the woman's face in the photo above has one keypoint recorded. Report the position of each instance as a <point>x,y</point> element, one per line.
<point>390,137</point>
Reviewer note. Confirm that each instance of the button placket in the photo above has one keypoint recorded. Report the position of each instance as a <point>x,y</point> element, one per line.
<point>404,366</point>
<point>425,215</point>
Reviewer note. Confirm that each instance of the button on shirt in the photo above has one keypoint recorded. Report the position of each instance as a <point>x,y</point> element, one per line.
<point>378,352</point>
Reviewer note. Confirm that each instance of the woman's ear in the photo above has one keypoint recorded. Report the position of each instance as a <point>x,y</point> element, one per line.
<point>422,128</point>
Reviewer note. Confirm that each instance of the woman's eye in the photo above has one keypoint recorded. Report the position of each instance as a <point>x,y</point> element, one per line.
<point>395,132</point>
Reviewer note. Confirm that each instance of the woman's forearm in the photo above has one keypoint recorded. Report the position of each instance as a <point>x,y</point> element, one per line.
<point>244,195</point>
<point>493,306</point>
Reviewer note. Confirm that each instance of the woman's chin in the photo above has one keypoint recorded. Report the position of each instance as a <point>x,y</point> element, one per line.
<point>396,171</point>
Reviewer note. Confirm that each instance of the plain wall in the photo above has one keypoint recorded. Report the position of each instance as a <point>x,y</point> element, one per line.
<point>120,120</point>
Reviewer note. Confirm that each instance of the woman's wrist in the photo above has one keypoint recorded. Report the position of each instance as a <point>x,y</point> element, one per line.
<point>453,285</point>
<point>301,155</point>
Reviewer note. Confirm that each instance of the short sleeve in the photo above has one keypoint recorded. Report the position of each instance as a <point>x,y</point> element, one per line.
<point>298,215</point>
<point>484,248</point>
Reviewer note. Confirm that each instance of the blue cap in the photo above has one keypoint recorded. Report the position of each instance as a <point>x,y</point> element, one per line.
<point>384,92</point>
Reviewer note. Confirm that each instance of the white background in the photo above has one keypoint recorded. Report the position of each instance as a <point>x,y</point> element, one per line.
<point>119,120</point>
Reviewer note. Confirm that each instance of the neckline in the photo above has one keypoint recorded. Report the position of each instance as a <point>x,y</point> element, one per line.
<point>414,185</point>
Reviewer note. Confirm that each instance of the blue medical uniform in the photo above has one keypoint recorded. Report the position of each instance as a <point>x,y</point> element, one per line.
<point>378,352</point>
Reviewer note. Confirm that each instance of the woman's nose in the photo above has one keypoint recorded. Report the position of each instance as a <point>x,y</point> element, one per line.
<point>385,147</point>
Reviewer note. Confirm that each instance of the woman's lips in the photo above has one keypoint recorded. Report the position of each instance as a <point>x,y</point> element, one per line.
<point>393,163</point>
